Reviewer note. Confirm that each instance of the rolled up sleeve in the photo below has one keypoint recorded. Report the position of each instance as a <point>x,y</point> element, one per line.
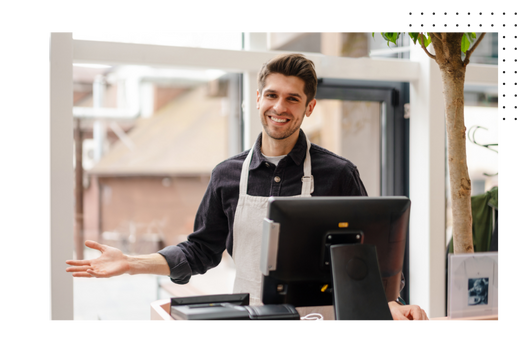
<point>180,270</point>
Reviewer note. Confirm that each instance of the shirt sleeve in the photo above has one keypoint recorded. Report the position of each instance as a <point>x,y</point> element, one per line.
<point>352,184</point>
<point>204,247</point>
<point>180,271</point>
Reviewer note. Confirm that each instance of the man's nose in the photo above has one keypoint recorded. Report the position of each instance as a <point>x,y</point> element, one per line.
<point>280,106</point>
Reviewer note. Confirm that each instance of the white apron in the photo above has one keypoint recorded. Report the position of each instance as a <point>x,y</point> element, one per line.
<point>247,231</point>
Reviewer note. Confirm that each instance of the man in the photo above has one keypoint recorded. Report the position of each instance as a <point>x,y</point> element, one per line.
<point>231,212</point>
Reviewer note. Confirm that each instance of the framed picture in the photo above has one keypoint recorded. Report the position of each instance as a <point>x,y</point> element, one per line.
<point>472,284</point>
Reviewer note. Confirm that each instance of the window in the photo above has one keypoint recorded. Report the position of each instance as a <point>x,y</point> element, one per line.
<point>146,169</point>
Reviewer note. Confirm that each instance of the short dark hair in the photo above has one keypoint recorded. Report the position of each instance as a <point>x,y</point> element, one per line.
<point>291,65</point>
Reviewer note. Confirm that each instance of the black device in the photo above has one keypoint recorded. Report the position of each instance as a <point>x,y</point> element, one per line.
<point>228,307</point>
<point>341,251</point>
<point>236,299</point>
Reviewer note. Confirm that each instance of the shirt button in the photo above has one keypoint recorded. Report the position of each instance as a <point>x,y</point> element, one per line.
<point>277,179</point>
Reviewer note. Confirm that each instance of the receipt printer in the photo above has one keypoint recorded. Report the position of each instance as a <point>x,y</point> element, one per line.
<point>228,307</point>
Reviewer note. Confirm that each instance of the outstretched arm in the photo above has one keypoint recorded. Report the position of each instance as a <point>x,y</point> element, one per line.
<point>113,262</point>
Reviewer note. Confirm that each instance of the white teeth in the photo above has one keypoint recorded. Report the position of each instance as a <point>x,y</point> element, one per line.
<point>278,120</point>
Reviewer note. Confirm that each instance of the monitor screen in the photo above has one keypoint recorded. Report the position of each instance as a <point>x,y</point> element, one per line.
<point>299,233</point>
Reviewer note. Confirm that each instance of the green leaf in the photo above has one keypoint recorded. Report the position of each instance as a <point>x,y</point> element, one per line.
<point>394,35</point>
<point>425,39</point>
<point>389,34</point>
<point>414,37</point>
<point>390,37</point>
<point>470,34</point>
<point>428,40</point>
<point>464,45</point>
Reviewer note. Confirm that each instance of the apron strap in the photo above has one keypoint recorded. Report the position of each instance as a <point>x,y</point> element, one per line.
<point>244,175</point>
<point>307,179</point>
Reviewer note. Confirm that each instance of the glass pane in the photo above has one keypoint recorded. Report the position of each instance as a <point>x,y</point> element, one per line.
<point>351,129</point>
<point>379,48</point>
<point>488,51</point>
<point>145,171</point>
<point>363,45</point>
<point>482,128</point>
<point>328,43</point>
<point>199,38</point>
<point>296,42</point>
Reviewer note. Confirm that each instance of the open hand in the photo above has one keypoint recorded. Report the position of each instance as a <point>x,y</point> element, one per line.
<point>112,262</point>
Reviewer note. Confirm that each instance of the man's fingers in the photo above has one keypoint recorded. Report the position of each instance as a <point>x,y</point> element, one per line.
<point>407,312</point>
<point>78,262</point>
<point>95,245</point>
<point>81,274</point>
<point>78,268</point>
<point>417,313</point>
<point>401,319</point>
<point>425,317</point>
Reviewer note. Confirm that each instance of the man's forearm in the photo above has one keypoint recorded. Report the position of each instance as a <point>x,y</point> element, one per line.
<point>154,264</point>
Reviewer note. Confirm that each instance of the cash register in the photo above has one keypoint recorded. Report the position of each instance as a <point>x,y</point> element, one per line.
<point>320,251</point>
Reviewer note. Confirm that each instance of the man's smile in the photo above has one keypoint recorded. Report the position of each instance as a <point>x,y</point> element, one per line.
<point>277,119</point>
<point>280,119</point>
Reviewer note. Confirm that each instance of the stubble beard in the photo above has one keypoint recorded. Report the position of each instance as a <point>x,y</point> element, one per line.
<point>282,137</point>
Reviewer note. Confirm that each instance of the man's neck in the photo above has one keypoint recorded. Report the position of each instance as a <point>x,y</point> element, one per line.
<point>271,147</point>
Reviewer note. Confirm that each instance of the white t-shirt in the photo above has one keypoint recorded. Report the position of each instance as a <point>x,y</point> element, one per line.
<point>275,159</point>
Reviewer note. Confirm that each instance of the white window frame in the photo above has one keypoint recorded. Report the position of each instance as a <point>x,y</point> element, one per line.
<point>427,141</point>
<point>59,177</point>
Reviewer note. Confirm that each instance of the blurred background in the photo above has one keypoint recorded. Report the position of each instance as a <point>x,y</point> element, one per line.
<point>146,140</point>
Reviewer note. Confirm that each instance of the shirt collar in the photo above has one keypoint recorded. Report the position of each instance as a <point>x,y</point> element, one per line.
<point>297,154</point>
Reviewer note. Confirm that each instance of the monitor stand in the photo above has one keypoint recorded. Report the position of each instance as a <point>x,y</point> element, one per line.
<point>358,289</point>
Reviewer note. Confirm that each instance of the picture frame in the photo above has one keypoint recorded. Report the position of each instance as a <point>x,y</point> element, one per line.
<point>472,285</point>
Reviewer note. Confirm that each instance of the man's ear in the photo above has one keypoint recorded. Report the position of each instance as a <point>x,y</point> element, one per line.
<point>310,107</point>
<point>257,99</point>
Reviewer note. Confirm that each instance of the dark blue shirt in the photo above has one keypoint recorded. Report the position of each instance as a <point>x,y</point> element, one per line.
<point>213,230</point>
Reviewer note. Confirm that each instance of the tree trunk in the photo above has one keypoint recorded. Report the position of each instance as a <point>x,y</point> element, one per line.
<point>453,69</point>
<point>460,184</point>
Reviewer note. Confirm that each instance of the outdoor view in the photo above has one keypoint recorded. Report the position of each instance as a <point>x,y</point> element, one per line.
<point>144,174</point>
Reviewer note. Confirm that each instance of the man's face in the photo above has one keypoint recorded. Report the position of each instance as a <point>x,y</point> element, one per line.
<point>282,105</point>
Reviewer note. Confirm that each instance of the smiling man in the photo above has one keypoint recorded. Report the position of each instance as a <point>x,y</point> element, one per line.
<point>282,162</point>
<point>283,105</point>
